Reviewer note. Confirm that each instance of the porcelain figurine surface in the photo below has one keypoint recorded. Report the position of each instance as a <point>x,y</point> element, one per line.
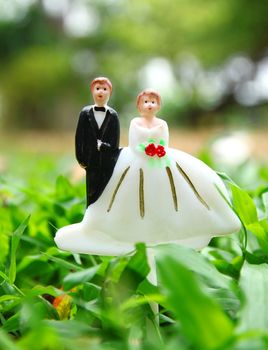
<point>97,139</point>
<point>156,194</point>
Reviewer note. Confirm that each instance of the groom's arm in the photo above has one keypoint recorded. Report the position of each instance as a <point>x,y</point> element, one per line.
<point>80,140</point>
<point>112,135</point>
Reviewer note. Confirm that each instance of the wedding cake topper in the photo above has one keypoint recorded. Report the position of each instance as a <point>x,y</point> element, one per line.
<point>146,192</point>
<point>97,139</point>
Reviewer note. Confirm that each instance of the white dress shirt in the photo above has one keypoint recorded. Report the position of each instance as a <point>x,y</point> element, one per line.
<point>100,116</point>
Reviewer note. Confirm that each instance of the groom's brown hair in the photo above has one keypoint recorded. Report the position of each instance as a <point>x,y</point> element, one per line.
<point>101,80</point>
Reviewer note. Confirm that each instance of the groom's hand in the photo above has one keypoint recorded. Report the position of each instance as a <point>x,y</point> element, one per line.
<point>103,146</point>
<point>99,143</point>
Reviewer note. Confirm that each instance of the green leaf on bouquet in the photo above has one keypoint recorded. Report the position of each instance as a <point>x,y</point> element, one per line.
<point>141,147</point>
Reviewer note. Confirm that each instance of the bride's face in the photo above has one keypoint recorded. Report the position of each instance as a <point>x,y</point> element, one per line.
<point>148,105</point>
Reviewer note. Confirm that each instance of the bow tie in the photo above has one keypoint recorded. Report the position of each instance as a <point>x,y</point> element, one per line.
<point>99,109</point>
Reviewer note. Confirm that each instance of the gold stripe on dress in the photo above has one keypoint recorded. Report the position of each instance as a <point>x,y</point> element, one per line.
<point>172,187</point>
<point>117,188</point>
<point>186,177</point>
<point>141,194</point>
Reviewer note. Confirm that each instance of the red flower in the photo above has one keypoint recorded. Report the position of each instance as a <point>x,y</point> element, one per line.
<point>150,150</point>
<point>160,151</point>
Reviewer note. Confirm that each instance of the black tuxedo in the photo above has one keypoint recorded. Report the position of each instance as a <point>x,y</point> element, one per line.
<point>99,164</point>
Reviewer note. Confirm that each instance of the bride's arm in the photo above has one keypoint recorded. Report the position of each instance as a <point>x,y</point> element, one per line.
<point>165,132</point>
<point>135,122</point>
<point>161,124</point>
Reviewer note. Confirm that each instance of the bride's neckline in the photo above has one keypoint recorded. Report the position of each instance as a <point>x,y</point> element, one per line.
<point>146,128</point>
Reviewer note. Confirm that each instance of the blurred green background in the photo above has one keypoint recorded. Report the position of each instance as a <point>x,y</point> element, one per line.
<point>208,60</point>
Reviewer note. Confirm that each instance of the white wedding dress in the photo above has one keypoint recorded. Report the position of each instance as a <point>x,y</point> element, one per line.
<point>151,199</point>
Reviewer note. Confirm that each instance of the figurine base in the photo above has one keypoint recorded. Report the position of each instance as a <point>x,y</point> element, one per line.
<point>73,238</point>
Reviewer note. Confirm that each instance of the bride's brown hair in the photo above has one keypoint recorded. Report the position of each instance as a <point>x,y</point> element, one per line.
<point>149,92</point>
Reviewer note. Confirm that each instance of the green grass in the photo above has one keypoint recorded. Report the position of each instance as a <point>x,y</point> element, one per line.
<point>49,299</point>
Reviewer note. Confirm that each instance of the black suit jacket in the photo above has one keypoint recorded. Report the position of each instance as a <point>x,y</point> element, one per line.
<point>87,134</point>
<point>99,164</point>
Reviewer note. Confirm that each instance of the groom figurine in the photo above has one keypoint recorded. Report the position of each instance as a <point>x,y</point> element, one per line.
<point>97,139</point>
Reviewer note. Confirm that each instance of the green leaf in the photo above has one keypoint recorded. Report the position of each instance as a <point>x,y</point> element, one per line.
<point>75,278</point>
<point>265,203</point>
<point>116,268</point>
<point>14,246</point>
<point>225,177</point>
<point>71,328</point>
<point>28,260</point>
<point>141,147</point>
<point>138,262</point>
<point>202,321</point>
<point>135,271</point>
<point>4,276</point>
<point>50,309</point>
<point>6,342</point>
<point>12,324</point>
<point>195,262</point>
<point>247,211</point>
<point>63,263</point>
<point>244,205</point>
<point>254,284</point>
<point>4,246</point>
<point>257,229</point>
<point>6,297</point>
<point>64,189</point>
<point>40,290</point>
<point>135,301</point>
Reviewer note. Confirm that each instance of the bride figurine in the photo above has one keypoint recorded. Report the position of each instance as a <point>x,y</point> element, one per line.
<point>155,195</point>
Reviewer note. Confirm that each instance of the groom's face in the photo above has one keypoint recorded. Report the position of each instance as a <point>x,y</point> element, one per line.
<point>101,93</point>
